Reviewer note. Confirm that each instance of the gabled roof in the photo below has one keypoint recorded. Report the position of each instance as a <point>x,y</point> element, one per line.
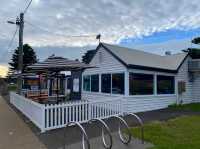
<point>143,60</point>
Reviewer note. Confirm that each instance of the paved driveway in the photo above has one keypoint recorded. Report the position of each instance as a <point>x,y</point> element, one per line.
<point>14,132</point>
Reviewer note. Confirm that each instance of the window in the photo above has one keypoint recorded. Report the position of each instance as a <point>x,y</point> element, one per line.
<point>95,83</point>
<point>106,83</point>
<point>140,84</point>
<point>69,82</point>
<point>118,83</point>
<point>165,85</point>
<point>86,83</point>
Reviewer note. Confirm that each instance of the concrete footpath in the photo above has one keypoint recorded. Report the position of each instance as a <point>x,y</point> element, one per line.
<point>96,143</point>
<point>14,132</point>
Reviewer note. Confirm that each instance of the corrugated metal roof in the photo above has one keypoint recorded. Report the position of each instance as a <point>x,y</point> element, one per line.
<point>141,58</point>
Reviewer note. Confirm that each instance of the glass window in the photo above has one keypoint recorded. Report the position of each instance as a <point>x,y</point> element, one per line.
<point>95,83</point>
<point>140,84</point>
<point>165,85</point>
<point>106,83</point>
<point>69,83</point>
<point>118,83</point>
<point>86,83</point>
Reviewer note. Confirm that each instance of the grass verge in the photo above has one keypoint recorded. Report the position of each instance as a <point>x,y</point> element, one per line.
<point>12,87</point>
<point>179,133</point>
<point>189,107</point>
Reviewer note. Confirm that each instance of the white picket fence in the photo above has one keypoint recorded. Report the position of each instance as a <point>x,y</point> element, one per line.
<point>32,110</point>
<point>48,117</point>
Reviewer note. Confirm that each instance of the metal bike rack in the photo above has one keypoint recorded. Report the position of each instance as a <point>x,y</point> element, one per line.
<point>122,138</point>
<point>84,134</point>
<point>141,125</point>
<point>104,126</point>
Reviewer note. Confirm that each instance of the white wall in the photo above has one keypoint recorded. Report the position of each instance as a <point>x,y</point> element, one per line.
<point>104,63</point>
<point>108,63</point>
<point>148,102</point>
<point>183,75</point>
<point>196,88</point>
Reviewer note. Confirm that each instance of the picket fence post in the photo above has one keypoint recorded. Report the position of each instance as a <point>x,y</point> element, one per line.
<point>43,128</point>
<point>89,110</point>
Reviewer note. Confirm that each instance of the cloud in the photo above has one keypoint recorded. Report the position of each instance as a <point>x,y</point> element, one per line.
<point>114,19</point>
<point>175,46</point>
<point>52,24</point>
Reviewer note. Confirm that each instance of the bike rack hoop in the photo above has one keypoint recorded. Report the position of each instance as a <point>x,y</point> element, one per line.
<point>141,124</point>
<point>104,126</point>
<point>122,138</point>
<point>84,134</point>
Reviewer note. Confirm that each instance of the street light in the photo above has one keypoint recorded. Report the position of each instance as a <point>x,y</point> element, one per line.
<point>11,22</point>
<point>20,23</point>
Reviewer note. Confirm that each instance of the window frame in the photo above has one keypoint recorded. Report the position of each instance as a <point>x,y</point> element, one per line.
<point>142,73</point>
<point>123,82</point>
<point>110,93</point>
<point>91,83</point>
<point>174,85</point>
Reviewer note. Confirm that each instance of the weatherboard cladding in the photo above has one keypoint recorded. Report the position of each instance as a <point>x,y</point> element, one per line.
<point>143,60</point>
<point>108,63</point>
<point>183,75</point>
<point>196,88</point>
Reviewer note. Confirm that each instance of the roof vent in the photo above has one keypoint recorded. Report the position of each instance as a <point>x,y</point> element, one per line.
<point>168,53</point>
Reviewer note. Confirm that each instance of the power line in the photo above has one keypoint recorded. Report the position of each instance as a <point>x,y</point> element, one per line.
<point>12,39</point>
<point>25,10</point>
<point>10,43</point>
<point>68,36</point>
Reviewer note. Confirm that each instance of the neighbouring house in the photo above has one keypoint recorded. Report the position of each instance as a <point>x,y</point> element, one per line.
<point>144,81</point>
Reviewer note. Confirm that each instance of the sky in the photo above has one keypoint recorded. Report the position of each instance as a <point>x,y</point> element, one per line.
<point>68,27</point>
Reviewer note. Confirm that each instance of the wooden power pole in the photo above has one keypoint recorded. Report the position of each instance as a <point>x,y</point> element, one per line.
<point>20,23</point>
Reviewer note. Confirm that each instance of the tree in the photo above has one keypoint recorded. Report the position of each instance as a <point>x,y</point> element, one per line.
<point>29,58</point>
<point>196,40</point>
<point>88,56</point>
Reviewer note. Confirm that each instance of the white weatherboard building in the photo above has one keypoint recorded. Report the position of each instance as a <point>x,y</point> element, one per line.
<point>143,81</point>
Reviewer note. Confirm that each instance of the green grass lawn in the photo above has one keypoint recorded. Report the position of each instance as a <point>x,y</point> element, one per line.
<point>189,107</point>
<point>179,133</point>
<point>12,87</point>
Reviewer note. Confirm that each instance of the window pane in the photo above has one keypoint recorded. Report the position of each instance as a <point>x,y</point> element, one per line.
<point>95,83</point>
<point>86,83</point>
<point>165,84</point>
<point>140,84</point>
<point>118,83</point>
<point>106,83</point>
